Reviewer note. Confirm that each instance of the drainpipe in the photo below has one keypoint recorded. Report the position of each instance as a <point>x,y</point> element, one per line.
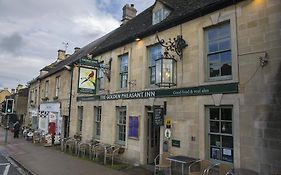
<point>70,99</point>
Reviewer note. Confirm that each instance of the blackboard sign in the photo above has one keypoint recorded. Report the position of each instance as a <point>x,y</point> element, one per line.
<point>176,143</point>
<point>158,116</point>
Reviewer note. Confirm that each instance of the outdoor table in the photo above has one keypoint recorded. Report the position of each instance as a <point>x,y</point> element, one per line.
<point>182,160</point>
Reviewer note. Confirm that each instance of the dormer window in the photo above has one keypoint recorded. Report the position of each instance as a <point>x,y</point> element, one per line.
<point>159,15</point>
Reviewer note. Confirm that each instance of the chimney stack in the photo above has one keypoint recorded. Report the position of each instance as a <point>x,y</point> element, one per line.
<point>61,55</point>
<point>129,12</point>
<point>76,49</point>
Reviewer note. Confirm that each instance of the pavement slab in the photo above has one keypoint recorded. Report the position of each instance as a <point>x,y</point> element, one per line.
<point>40,160</point>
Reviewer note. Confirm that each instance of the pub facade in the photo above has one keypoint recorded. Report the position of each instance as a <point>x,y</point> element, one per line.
<point>198,79</point>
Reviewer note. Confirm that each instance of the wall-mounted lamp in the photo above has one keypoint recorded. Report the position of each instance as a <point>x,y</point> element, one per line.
<point>166,65</point>
<point>137,39</point>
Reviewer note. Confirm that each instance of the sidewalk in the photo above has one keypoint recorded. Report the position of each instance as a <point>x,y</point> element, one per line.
<point>47,160</point>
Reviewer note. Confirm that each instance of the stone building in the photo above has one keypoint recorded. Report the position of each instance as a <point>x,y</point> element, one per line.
<point>49,97</point>
<point>221,101</point>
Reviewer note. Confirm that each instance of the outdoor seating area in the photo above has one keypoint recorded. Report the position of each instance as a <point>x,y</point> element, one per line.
<point>95,150</point>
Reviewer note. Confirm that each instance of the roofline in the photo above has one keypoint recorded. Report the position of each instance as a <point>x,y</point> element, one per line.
<point>169,24</point>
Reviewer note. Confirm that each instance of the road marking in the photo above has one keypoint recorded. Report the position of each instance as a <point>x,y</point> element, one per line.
<point>6,168</point>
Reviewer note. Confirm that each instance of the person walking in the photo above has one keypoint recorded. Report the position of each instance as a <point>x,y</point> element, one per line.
<point>16,129</point>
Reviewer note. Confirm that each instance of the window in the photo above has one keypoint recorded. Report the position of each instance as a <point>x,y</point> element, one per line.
<point>101,78</point>
<point>57,86</point>
<point>46,88</point>
<point>31,97</point>
<point>97,121</point>
<point>218,49</point>
<point>159,15</point>
<point>121,125</point>
<point>123,70</point>
<point>220,136</point>
<point>154,52</point>
<point>35,97</point>
<point>80,119</point>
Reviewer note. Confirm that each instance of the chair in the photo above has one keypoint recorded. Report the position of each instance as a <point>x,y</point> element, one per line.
<point>161,162</point>
<point>84,147</point>
<point>97,150</point>
<point>222,169</point>
<point>199,167</point>
<point>112,152</point>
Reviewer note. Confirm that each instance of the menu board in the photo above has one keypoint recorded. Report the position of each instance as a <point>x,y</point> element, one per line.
<point>158,116</point>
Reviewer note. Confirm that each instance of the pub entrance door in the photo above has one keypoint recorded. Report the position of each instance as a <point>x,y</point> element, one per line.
<point>153,137</point>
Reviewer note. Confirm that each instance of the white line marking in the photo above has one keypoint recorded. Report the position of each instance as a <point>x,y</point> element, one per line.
<point>6,168</point>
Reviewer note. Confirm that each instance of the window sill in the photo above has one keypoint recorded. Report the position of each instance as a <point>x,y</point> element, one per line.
<point>213,82</point>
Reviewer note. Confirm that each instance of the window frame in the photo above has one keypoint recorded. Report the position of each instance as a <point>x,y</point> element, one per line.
<point>57,86</point>
<point>119,111</point>
<point>208,78</point>
<point>46,88</point>
<point>97,121</point>
<point>123,71</point>
<point>159,15</point>
<point>150,59</point>
<point>221,148</point>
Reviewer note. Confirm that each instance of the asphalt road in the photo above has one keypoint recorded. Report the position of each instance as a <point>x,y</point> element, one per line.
<point>8,168</point>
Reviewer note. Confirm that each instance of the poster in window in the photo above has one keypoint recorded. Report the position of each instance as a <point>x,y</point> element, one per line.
<point>134,127</point>
<point>215,153</point>
<point>87,80</point>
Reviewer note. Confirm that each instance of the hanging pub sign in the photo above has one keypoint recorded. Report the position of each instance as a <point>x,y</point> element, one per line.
<point>158,116</point>
<point>87,75</point>
<point>87,80</point>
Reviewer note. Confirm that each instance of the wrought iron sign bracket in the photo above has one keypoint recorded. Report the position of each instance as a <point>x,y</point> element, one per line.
<point>173,45</point>
<point>106,68</point>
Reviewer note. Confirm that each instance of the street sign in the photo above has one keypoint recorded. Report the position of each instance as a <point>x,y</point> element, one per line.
<point>168,122</point>
<point>167,133</point>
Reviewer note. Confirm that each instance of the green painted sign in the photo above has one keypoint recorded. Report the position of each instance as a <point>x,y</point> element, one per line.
<point>89,62</point>
<point>176,143</point>
<point>177,92</point>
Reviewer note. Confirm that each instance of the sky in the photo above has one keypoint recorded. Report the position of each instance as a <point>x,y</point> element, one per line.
<point>32,31</point>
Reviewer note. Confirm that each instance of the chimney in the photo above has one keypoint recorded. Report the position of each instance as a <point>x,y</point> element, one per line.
<point>76,49</point>
<point>61,55</point>
<point>129,12</point>
<point>67,55</point>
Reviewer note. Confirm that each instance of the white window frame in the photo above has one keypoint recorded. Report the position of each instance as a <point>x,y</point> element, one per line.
<point>159,15</point>
<point>123,71</point>
<point>57,86</point>
<point>153,66</point>
<point>121,122</point>
<point>97,121</point>
<point>219,52</point>
<point>46,88</point>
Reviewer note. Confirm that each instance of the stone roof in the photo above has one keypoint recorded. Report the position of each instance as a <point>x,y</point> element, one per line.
<point>141,26</point>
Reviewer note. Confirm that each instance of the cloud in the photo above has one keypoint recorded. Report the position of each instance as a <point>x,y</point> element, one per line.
<point>32,31</point>
<point>11,43</point>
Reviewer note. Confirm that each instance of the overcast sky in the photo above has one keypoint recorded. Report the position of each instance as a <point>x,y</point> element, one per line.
<point>32,31</point>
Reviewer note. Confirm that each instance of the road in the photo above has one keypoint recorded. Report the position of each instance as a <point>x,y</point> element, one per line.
<point>7,167</point>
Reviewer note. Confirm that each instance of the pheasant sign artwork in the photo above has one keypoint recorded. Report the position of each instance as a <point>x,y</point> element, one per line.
<point>87,80</point>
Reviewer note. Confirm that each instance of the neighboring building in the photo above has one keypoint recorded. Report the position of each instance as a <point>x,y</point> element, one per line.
<point>33,103</point>
<point>225,106</point>
<point>49,97</point>
<point>3,94</point>
<point>20,104</point>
